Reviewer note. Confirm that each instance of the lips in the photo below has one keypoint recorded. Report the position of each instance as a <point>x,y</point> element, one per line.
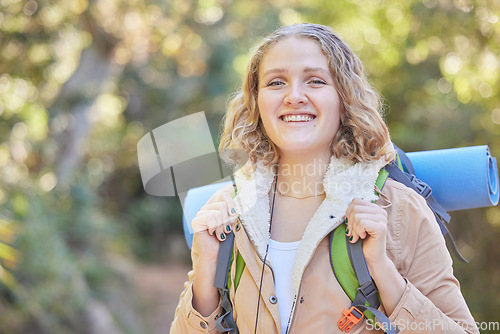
<point>297,118</point>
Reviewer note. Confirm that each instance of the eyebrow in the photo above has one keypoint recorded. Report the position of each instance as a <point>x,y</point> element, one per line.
<point>306,70</point>
<point>316,69</point>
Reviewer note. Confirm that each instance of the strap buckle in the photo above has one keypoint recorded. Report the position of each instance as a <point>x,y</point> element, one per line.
<point>351,318</point>
<point>422,187</point>
<point>225,323</point>
<point>368,290</point>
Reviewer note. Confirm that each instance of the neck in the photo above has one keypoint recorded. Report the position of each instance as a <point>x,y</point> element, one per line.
<point>302,175</point>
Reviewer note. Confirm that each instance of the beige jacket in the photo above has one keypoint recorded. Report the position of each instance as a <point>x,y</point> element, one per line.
<point>431,303</point>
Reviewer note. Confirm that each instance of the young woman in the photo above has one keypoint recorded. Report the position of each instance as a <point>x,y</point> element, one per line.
<point>309,122</point>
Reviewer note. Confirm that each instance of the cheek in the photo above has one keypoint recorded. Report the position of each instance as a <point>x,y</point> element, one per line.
<point>266,107</point>
<point>333,121</point>
<point>262,102</point>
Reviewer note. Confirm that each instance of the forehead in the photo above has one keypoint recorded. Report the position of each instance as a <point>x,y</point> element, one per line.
<point>294,51</point>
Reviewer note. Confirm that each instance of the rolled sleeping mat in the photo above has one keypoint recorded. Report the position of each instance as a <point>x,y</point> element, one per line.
<point>460,178</point>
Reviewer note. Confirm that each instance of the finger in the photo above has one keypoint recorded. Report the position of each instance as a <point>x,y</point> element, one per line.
<point>351,209</point>
<point>362,234</point>
<point>368,228</point>
<point>371,208</point>
<point>355,229</point>
<point>374,229</point>
<point>348,222</point>
<point>374,220</point>
<point>357,232</point>
<point>359,210</point>
<point>348,228</point>
<point>219,233</point>
<point>353,238</point>
<point>212,224</point>
<point>199,224</point>
<point>351,223</point>
<point>214,220</point>
<point>359,205</point>
<point>221,207</point>
<point>204,220</point>
<point>227,228</point>
<point>231,204</point>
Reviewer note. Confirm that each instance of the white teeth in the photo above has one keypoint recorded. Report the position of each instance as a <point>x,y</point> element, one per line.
<point>297,118</point>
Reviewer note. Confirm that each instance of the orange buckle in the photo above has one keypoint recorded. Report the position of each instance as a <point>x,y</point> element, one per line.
<point>351,318</point>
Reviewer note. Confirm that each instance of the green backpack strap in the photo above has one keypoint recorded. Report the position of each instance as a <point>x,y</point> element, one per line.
<point>383,174</point>
<point>350,269</point>
<point>240,265</point>
<point>342,267</point>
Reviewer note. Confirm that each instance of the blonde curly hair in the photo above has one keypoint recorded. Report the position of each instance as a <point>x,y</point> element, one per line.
<point>362,134</point>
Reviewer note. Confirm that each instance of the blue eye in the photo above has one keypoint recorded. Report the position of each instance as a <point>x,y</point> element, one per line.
<point>318,82</point>
<point>275,83</point>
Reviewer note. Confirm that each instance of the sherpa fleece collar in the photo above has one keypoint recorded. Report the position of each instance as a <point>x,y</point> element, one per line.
<point>343,181</point>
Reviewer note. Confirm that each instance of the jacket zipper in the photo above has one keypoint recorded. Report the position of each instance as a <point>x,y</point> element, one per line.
<point>292,312</point>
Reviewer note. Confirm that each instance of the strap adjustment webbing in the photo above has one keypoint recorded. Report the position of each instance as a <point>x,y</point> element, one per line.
<point>367,290</point>
<point>226,323</point>
<point>422,188</point>
<point>389,327</point>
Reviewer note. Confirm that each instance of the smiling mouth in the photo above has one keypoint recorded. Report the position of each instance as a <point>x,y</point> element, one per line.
<point>297,118</point>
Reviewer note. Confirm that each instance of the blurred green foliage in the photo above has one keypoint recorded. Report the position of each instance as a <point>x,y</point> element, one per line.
<point>82,81</point>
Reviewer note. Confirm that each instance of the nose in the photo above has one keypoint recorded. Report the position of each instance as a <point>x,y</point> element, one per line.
<point>295,95</point>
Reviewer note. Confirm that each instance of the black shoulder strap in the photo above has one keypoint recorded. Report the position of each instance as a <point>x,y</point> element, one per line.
<point>407,165</point>
<point>226,323</point>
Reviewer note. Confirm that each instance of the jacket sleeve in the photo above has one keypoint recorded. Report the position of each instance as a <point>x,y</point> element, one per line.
<point>432,301</point>
<point>187,319</point>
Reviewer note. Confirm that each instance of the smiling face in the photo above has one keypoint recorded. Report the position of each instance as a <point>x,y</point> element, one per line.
<point>298,102</point>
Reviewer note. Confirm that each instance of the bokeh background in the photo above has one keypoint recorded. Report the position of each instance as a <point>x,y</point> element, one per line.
<point>83,249</point>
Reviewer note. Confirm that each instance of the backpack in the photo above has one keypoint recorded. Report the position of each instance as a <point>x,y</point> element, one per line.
<point>348,265</point>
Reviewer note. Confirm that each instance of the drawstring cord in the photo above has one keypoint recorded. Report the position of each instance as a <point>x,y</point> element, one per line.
<point>265,256</point>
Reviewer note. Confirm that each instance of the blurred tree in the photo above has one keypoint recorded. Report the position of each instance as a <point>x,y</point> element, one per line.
<point>82,81</point>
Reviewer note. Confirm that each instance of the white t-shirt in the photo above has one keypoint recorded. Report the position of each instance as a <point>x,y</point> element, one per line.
<point>281,255</point>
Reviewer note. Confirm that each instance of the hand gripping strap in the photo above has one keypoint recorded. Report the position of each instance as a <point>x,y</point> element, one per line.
<point>226,323</point>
